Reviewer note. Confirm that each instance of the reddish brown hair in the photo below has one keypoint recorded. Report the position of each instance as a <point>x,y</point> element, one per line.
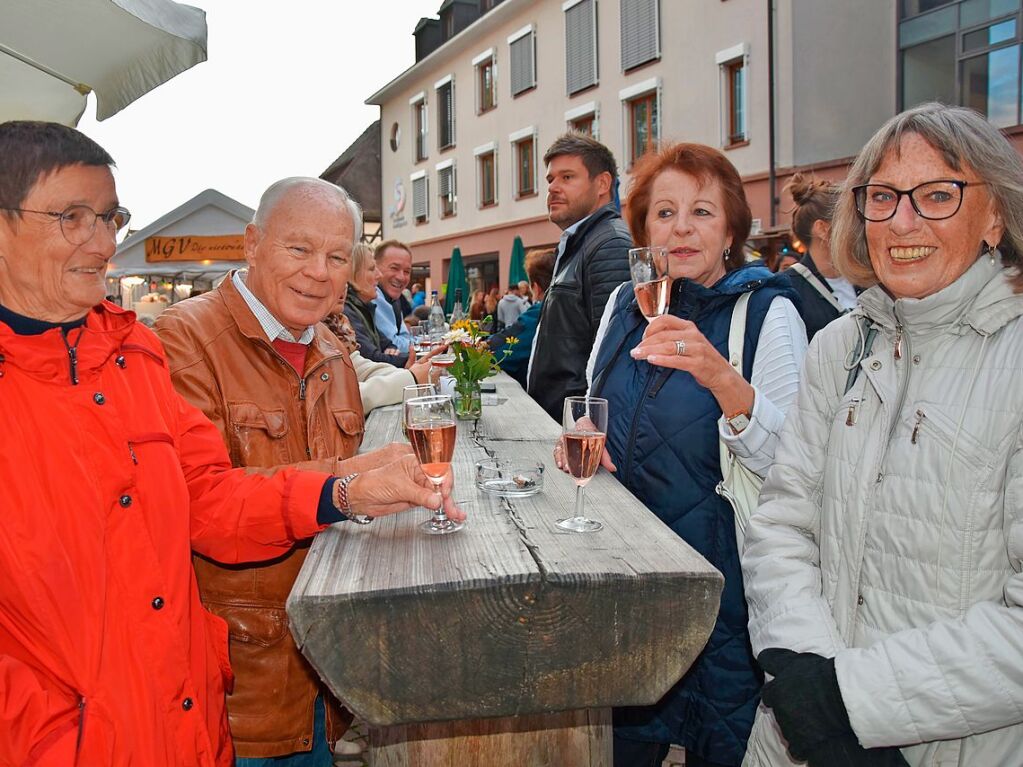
<point>704,163</point>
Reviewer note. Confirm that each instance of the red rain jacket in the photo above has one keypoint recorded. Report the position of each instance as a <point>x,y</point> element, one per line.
<point>107,656</point>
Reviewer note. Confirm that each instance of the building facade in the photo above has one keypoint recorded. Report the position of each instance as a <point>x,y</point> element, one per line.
<point>464,130</point>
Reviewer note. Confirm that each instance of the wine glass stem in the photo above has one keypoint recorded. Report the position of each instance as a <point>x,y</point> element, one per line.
<point>579,502</point>
<point>438,514</point>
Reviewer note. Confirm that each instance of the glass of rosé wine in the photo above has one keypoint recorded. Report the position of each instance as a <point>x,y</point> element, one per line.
<point>430,422</point>
<point>650,280</point>
<point>584,432</point>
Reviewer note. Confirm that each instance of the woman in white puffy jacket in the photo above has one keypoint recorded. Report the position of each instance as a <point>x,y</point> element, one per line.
<point>883,565</point>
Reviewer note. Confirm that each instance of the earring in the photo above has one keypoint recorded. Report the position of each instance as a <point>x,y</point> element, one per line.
<point>727,251</point>
<point>990,250</point>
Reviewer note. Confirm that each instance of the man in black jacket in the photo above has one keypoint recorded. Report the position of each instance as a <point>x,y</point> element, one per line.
<point>592,260</point>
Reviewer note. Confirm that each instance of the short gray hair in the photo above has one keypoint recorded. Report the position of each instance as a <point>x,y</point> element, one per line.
<point>278,190</point>
<point>964,138</point>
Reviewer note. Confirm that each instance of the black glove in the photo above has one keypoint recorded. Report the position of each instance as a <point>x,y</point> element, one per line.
<point>846,751</point>
<point>805,699</point>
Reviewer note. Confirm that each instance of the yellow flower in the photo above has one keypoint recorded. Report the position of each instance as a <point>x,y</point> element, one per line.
<point>511,340</point>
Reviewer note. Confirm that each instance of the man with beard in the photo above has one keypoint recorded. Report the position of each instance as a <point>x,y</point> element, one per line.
<point>592,260</point>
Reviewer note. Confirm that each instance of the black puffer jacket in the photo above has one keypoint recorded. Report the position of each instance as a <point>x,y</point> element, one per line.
<point>595,262</point>
<point>372,345</point>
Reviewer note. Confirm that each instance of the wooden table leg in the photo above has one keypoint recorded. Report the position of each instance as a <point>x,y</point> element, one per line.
<point>566,739</point>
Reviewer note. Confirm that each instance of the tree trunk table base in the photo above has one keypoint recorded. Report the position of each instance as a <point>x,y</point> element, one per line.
<point>564,739</point>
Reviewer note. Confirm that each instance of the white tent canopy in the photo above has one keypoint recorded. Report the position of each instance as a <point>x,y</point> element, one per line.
<point>208,213</point>
<point>54,52</point>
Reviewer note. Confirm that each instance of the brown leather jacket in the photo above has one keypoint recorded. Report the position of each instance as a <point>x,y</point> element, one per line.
<point>269,417</point>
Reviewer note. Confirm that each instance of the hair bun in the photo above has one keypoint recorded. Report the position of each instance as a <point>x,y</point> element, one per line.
<point>801,188</point>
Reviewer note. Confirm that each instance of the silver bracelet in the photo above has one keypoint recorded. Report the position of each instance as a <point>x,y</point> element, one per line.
<point>342,504</point>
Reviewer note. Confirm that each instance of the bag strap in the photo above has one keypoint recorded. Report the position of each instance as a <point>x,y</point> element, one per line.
<point>736,346</point>
<point>825,292</point>
<point>737,332</point>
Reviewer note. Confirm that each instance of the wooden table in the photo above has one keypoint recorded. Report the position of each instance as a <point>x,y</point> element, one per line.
<point>509,641</point>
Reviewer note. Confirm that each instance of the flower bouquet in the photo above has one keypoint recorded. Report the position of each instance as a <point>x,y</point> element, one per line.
<point>474,361</point>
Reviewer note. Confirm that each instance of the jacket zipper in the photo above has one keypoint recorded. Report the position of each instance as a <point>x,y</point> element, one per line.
<point>900,336</point>
<point>72,353</point>
<point>920,416</point>
<point>81,727</point>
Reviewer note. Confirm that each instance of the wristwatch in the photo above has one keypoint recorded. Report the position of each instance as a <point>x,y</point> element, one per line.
<point>737,422</point>
<point>341,501</point>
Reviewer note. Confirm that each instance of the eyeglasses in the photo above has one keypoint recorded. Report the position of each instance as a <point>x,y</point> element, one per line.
<point>78,222</point>
<point>933,200</point>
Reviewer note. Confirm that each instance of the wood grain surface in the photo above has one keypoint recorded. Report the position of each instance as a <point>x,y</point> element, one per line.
<point>511,616</point>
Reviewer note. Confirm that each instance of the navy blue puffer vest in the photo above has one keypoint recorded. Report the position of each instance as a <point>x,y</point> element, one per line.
<point>662,434</point>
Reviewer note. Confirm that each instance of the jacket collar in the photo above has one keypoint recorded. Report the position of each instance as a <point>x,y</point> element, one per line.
<point>319,348</point>
<point>981,300</point>
<point>46,355</point>
<point>600,214</point>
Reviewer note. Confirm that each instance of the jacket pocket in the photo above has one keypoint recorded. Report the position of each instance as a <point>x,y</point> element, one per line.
<point>218,633</point>
<point>256,434</point>
<point>256,626</point>
<point>934,433</point>
<point>351,426</point>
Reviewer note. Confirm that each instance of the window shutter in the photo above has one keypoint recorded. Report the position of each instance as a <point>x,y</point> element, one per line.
<point>523,76</point>
<point>639,25</point>
<point>581,46</point>
<point>446,114</point>
<point>419,202</point>
<point>446,182</point>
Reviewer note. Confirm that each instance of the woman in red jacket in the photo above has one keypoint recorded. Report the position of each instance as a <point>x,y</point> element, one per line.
<point>108,481</point>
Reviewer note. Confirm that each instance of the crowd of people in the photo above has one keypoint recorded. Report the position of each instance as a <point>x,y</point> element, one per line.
<point>162,486</point>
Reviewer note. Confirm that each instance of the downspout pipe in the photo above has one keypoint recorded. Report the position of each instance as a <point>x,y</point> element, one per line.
<point>772,180</point>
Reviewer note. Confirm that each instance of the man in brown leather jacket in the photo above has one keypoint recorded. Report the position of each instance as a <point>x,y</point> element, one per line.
<point>254,356</point>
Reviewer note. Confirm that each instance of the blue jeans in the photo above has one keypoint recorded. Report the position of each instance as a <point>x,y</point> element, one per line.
<point>320,756</point>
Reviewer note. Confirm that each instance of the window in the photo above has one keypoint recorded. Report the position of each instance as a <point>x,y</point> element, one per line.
<point>734,66</point>
<point>524,146</point>
<point>418,104</point>
<point>445,112</point>
<point>580,44</point>
<point>420,198</point>
<point>486,90</point>
<point>486,184</point>
<point>583,119</point>
<point>735,75</point>
<point>965,52</point>
<point>642,103</point>
<point>446,188</point>
<point>522,54</point>
<point>640,32</point>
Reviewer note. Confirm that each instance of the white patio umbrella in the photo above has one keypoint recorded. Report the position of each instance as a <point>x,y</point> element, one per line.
<point>54,52</point>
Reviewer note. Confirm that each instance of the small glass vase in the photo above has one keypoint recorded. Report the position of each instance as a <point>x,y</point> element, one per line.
<point>468,400</point>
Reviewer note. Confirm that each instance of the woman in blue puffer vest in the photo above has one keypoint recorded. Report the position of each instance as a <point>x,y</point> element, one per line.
<point>672,394</point>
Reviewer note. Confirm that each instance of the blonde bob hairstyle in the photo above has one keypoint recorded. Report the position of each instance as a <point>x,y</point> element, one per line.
<point>964,139</point>
<point>362,254</point>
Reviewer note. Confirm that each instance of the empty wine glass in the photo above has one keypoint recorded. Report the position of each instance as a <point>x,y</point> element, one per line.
<point>431,431</point>
<point>584,432</point>
<point>411,392</point>
<point>650,280</point>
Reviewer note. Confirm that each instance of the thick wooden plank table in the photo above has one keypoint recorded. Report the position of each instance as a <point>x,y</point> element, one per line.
<point>506,642</point>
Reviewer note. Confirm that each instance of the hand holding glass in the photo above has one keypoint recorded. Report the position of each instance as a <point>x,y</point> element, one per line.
<point>431,431</point>
<point>650,280</point>
<point>584,434</point>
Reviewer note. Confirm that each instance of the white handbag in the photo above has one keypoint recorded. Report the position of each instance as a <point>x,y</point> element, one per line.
<point>739,486</point>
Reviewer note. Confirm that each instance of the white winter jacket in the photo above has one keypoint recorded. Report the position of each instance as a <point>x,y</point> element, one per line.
<point>890,529</point>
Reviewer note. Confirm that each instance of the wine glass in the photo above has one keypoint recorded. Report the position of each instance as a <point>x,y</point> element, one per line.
<point>650,280</point>
<point>584,432</point>
<point>411,392</point>
<point>431,430</point>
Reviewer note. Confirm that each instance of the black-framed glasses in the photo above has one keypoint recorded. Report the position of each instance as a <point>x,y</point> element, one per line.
<point>78,222</point>
<point>933,200</point>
